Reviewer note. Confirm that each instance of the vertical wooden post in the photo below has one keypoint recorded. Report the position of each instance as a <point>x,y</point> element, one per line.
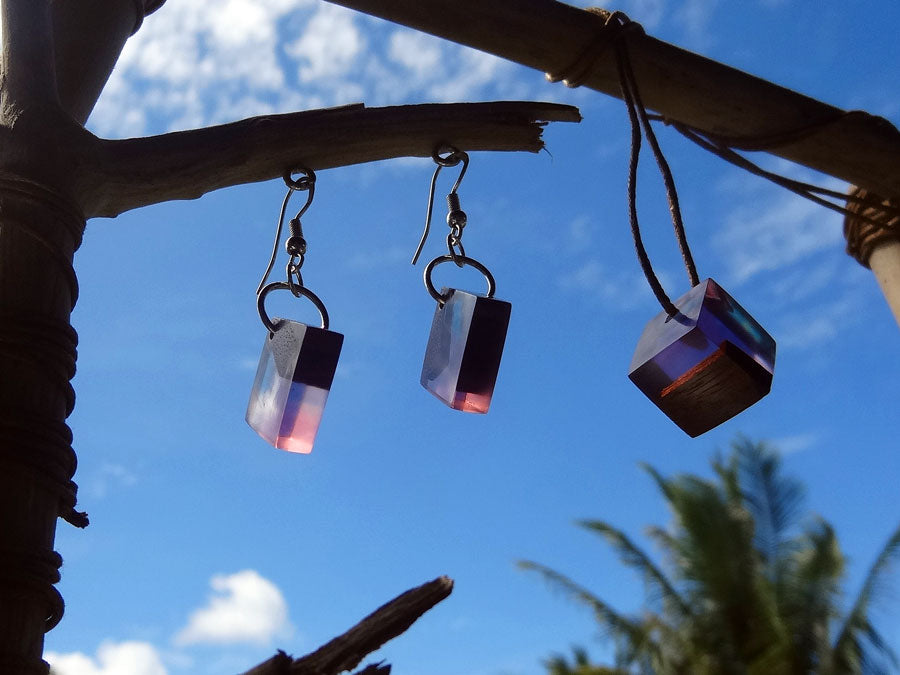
<point>56,58</point>
<point>885,263</point>
<point>876,246</point>
<point>39,233</point>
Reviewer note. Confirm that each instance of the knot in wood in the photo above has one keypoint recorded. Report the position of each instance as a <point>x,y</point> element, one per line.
<point>864,236</point>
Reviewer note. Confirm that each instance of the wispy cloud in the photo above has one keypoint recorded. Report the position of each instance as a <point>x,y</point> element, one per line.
<point>649,13</point>
<point>695,16</point>
<point>595,281</point>
<point>245,608</point>
<point>109,476</point>
<point>775,231</point>
<point>113,658</point>
<point>806,327</point>
<point>788,445</point>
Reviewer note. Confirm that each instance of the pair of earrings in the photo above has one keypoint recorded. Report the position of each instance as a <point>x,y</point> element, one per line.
<point>298,362</point>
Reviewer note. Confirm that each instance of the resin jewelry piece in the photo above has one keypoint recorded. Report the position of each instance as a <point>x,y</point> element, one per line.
<point>298,362</point>
<point>468,330</point>
<point>705,364</point>
<point>703,359</point>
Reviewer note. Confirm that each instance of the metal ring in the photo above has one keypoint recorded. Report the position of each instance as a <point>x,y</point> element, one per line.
<point>279,285</point>
<point>306,182</point>
<point>465,260</point>
<point>454,155</point>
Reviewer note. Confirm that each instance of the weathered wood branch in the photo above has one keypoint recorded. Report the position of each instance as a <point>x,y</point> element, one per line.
<point>550,36</point>
<point>88,37</point>
<point>345,652</point>
<point>126,174</point>
<point>28,68</point>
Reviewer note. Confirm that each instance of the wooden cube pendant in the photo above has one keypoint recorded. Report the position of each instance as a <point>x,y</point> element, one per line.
<point>295,372</point>
<point>707,363</point>
<point>464,349</point>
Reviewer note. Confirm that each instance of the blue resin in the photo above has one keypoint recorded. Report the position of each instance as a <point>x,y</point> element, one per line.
<point>707,363</point>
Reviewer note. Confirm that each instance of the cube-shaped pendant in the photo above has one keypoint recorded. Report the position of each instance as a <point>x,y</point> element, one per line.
<point>295,372</point>
<point>464,349</point>
<point>707,363</point>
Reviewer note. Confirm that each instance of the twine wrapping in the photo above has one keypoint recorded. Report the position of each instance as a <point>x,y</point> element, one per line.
<point>867,227</point>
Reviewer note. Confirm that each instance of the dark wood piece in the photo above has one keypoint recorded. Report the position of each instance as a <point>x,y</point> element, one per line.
<point>346,651</point>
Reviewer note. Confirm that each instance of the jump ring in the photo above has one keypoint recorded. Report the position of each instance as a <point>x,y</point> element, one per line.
<point>454,157</point>
<point>279,285</point>
<point>460,260</point>
<point>306,182</point>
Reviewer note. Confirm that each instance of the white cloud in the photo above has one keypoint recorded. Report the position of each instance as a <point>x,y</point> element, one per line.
<point>113,658</point>
<point>473,71</point>
<point>330,44</point>
<point>188,67</point>
<point>246,608</point>
<point>417,52</point>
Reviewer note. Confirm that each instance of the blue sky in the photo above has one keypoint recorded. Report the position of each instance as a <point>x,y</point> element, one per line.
<point>208,549</point>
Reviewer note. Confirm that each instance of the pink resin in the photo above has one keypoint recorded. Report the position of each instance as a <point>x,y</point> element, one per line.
<point>296,369</point>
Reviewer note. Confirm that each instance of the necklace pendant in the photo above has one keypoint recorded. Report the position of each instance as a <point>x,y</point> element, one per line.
<point>706,364</point>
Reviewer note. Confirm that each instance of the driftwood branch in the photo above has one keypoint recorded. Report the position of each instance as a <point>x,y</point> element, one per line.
<point>127,174</point>
<point>551,36</point>
<point>346,651</point>
<point>27,66</point>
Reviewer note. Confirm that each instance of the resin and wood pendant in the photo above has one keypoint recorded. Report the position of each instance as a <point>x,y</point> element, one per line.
<point>707,363</point>
<point>464,349</point>
<point>295,372</point>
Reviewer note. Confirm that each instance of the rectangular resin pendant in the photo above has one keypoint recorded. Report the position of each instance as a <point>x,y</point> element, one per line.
<point>295,372</point>
<point>707,363</point>
<point>464,349</point>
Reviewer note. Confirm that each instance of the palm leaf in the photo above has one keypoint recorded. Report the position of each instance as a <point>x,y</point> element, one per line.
<point>715,556</point>
<point>849,648</point>
<point>630,634</point>
<point>635,558</point>
<point>773,499</point>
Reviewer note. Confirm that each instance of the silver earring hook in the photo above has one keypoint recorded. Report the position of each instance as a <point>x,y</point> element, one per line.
<point>306,183</point>
<point>453,158</point>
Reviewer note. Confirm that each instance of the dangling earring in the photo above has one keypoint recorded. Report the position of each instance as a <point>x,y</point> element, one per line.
<point>468,330</point>
<point>297,364</point>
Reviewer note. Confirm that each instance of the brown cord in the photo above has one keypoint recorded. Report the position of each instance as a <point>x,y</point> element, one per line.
<point>868,226</point>
<point>616,26</point>
<point>44,446</point>
<point>868,218</point>
<point>720,146</point>
<point>21,572</point>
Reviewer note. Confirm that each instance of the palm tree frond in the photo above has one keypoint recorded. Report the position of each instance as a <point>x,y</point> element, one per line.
<point>848,646</point>
<point>635,558</point>
<point>774,500</point>
<point>631,636</point>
